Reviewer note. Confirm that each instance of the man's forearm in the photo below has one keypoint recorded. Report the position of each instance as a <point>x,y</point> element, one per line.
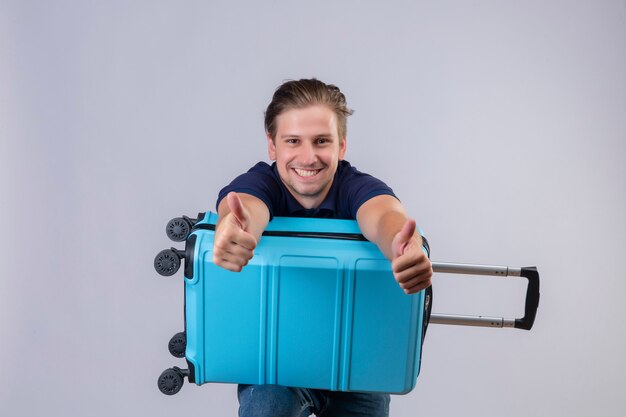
<point>380,219</point>
<point>384,222</point>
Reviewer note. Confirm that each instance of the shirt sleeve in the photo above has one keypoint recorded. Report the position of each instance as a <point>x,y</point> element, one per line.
<point>259,182</point>
<point>359,187</point>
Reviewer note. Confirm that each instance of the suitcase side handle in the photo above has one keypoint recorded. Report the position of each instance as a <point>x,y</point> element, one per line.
<point>531,303</point>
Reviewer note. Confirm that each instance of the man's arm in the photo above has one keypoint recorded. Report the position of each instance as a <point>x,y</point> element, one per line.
<point>242,220</point>
<point>383,221</point>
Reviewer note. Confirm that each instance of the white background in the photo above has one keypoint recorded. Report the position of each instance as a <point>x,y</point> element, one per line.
<point>500,124</point>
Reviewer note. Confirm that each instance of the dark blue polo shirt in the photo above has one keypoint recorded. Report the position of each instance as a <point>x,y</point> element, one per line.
<point>349,190</point>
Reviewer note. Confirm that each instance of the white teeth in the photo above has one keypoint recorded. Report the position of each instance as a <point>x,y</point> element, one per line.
<point>306,173</point>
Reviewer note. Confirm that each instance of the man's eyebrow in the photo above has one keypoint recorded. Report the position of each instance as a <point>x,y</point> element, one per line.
<point>321,135</point>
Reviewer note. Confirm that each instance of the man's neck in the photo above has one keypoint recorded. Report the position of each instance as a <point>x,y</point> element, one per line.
<point>311,202</point>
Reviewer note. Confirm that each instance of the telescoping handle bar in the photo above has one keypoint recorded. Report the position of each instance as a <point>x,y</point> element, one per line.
<point>532,295</point>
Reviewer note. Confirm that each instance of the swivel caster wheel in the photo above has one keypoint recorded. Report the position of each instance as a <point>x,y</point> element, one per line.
<point>167,262</point>
<point>171,381</point>
<point>178,228</point>
<point>178,345</point>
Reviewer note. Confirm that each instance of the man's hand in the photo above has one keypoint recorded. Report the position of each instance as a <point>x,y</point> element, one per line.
<point>410,265</point>
<point>234,244</point>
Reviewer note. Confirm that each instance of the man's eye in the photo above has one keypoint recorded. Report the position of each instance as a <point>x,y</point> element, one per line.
<point>322,141</point>
<point>292,141</point>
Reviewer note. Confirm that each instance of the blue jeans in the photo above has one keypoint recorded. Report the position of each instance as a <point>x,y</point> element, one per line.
<point>279,401</point>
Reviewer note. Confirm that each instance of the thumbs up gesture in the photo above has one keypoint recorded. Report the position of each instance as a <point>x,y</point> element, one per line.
<point>233,244</point>
<point>410,265</point>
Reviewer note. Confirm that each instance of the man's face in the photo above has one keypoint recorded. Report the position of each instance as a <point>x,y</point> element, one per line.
<point>307,150</point>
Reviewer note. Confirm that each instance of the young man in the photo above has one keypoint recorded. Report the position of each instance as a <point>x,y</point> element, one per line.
<point>306,137</point>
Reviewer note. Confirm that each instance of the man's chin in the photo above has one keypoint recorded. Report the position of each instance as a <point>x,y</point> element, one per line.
<point>307,192</point>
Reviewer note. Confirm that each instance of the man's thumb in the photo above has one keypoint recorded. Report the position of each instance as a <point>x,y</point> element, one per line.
<point>403,237</point>
<point>236,208</point>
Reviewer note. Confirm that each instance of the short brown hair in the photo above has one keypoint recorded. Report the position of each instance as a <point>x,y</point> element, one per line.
<point>303,93</point>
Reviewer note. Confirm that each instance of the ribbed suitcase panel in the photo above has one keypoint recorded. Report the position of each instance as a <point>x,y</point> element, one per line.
<point>305,312</point>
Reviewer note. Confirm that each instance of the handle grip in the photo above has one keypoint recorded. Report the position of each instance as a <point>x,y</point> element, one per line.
<point>532,299</point>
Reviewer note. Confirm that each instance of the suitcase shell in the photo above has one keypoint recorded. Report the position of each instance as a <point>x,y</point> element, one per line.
<point>317,309</point>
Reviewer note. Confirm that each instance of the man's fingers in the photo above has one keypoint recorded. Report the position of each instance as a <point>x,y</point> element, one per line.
<point>246,240</point>
<point>413,271</point>
<point>236,236</point>
<point>405,261</point>
<point>227,264</point>
<point>232,251</point>
<point>416,286</point>
<point>240,261</point>
<point>409,274</point>
<point>236,208</point>
<point>232,257</point>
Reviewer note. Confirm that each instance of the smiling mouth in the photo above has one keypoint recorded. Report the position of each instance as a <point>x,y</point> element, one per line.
<point>306,172</point>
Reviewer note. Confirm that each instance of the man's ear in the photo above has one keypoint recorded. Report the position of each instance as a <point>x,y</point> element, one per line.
<point>271,147</point>
<point>342,149</point>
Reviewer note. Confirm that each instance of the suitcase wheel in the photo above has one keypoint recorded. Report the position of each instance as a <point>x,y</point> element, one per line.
<point>178,229</point>
<point>167,262</point>
<point>171,381</point>
<point>178,345</point>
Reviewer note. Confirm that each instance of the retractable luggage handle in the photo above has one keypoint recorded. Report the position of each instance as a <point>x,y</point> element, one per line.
<point>532,296</point>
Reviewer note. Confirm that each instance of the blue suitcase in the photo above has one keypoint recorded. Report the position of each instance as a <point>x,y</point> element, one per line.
<point>316,307</point>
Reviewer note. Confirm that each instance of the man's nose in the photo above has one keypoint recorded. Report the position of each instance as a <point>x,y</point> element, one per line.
<point>308,156</point>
